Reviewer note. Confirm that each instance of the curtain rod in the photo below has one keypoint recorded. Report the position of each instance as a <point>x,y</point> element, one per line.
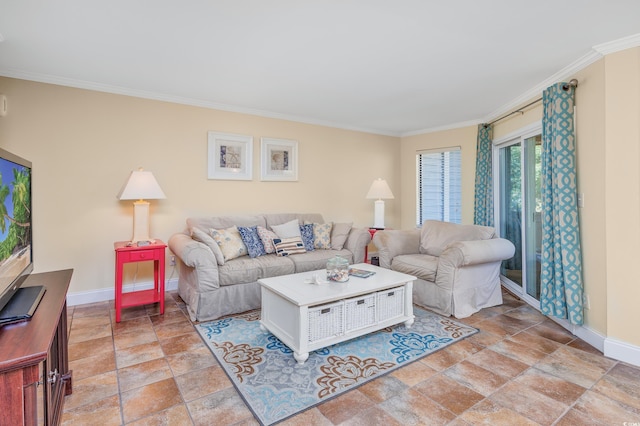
<point>572,83</point>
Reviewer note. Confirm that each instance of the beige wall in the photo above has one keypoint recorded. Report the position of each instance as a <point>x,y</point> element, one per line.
<point>622,159</point>
<point>83,144</point>
<point>465,138</point>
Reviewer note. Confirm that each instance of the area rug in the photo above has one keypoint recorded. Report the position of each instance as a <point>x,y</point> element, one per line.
<point>274,386</point>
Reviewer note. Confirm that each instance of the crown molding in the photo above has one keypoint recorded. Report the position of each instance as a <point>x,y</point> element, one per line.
<point>125,91</point>
<point>443,128</point>
<point>618,45</point>
<point>597,52</point>
<point>563,74</point>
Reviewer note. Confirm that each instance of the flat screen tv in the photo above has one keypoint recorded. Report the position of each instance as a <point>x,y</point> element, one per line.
<point>16,256</point>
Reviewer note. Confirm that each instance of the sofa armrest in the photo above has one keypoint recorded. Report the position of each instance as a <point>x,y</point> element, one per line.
<point>394,242</point>
<point>191,252</point>
<point>357,241</point>
<point>466,253</point>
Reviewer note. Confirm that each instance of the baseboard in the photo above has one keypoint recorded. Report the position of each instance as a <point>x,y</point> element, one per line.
<point>622,351</point>
<point>105,294</point>
<point>587,334</point>
<point>611,348</point>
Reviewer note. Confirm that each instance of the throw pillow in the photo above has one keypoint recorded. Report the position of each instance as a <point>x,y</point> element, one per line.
<point>267,237</point>
<point>252,240</point>
<point>199,235</point>
<point>322,235</point>
<point>287,230</point>
<point>339,234</point>
<point>306,232</point>
<point>288,246</point>
<point>230,242</point>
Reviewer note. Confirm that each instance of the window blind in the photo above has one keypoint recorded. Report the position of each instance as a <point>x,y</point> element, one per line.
<point>439,185</point>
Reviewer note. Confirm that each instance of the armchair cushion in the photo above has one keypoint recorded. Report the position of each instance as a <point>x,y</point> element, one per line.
<point>421,266</point>
<point>435,236</point>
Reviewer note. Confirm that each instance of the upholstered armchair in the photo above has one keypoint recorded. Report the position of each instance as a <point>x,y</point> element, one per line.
<point>457,266</point>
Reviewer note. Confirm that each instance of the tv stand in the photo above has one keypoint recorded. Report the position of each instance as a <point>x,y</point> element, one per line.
<point>27,346</point>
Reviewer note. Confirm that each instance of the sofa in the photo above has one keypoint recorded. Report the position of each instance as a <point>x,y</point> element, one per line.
<point>457,266</point>
<point>218,274</point>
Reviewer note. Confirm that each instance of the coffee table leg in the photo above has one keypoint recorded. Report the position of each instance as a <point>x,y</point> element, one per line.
<point>409,323</point>
<point>301,358</point>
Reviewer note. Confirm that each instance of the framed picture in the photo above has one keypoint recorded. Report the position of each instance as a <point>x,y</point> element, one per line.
<point>279,159</point>
<point>230,156</point>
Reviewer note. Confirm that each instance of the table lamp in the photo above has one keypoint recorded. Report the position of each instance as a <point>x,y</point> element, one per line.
<point>379,190</point>
<point>141,185</point>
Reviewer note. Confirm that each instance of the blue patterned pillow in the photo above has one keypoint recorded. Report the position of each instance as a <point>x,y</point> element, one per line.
<point>322,235</point>
<point>306,232</point>
<point>252,240</point>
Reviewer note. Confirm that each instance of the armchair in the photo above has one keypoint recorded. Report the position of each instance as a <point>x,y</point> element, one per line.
<point>457,266</point>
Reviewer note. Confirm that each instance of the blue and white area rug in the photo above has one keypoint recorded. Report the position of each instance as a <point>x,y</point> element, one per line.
<point>275,386</point>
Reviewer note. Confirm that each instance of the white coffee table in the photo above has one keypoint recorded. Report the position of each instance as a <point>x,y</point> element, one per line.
<point>307,317</point>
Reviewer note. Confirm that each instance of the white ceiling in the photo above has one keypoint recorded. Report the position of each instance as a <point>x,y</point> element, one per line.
<point>389,67</point>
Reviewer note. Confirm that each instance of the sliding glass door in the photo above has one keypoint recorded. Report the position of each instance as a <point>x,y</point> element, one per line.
<point>519,205</point>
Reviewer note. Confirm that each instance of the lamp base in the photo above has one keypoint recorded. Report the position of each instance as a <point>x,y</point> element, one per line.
<point>378,217</point>
<point>140,221</point>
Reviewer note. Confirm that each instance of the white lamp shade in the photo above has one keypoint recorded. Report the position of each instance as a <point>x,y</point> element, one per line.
<point>379,190</point>
<point>141,185</point>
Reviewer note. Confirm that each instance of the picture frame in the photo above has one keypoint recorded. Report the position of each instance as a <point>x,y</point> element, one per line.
<point>230,156</point>
<point>279,159</point>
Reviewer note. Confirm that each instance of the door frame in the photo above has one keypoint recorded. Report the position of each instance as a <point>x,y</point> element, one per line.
<point>518,136</point>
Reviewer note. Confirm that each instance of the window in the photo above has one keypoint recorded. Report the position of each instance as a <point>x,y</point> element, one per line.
<point>439,186</point>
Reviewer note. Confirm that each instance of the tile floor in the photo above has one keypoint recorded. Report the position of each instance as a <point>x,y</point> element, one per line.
<point>521,369</point>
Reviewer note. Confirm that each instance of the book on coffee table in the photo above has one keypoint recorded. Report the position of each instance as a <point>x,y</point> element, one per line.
<point>362,273</point>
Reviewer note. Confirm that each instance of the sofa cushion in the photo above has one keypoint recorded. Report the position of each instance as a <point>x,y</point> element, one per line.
<point>252,240</point>
<point>230,242</point>
<point>422,266</point>
<point>287,230</point>
<point>435,236</point>
<point>339,234</point>
<point>247,270</point>
<point>201,236</point>
<point>317,259</point>
<point>322,235</point>
<point>267,236</point>
<point>288,246</point>
<point>306,232</point>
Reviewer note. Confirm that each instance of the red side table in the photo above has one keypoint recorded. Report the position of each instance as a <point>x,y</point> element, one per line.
<point>125,253</point>
<point>372,231</point>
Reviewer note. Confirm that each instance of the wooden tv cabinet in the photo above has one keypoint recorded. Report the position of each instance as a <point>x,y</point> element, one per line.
<point>27,346</point>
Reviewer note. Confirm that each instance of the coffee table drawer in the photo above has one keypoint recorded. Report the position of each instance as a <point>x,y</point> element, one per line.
<point>390,303</point>
<point>326,321</point>
<point>360,312</point>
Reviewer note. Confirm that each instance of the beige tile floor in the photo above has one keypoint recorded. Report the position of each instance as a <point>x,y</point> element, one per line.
<point>521,369</point>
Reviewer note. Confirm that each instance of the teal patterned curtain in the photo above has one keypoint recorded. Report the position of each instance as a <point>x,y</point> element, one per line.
<point>483,204</point>
<point>561,269</point>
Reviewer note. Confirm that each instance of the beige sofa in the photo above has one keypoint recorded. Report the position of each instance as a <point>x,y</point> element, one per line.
<point>213,287</point>
<point>457,266</point>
